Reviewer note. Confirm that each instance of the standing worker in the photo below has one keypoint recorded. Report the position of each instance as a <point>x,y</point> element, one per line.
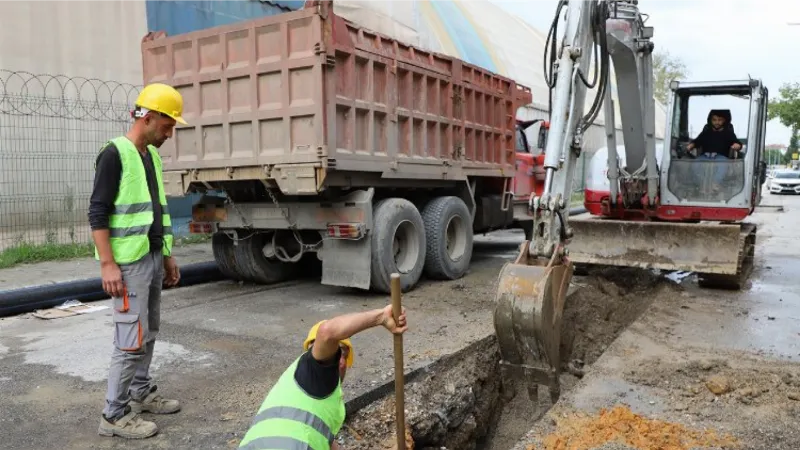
<point>305,407</point>
<point>132,234</point>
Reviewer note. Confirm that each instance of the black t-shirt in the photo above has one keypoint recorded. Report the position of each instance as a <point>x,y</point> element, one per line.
<point>318,378</point>
<point>716,141</point>
<point>106,186</point>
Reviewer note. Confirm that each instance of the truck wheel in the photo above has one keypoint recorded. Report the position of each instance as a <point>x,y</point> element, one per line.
<point>222,247</point>
<point>254,263</point>
<point>398,244</point>
<point>448,232</point>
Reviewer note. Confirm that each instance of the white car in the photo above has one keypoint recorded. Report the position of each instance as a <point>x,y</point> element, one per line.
<point>785,182</point>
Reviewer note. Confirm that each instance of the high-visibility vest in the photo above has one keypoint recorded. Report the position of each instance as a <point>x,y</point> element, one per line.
<point>132,217</point>
<point>290,419</point>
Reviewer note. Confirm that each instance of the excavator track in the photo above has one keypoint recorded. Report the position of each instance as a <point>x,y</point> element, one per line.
<point>747,246</point>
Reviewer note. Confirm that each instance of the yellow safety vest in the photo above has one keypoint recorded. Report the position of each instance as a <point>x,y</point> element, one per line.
<point>132,217</point>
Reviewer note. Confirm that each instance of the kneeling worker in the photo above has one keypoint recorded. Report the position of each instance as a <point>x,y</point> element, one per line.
<point>305,407</point>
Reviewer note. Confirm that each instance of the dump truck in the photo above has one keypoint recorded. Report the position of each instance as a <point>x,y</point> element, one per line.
<point>313,139</point>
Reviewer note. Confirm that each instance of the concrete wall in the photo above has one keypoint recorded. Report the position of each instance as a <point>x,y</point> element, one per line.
<point>53,122</point>
<point>93,39</point>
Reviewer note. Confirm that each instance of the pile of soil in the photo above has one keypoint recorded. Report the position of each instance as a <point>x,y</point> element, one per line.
<point>621,426</point>
<point>608,301</point>
<point>699,383</point>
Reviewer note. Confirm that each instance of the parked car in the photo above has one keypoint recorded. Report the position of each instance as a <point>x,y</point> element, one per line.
<point>785,182</point>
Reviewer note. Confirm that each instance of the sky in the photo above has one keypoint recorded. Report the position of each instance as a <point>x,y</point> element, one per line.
<point>716,39</point>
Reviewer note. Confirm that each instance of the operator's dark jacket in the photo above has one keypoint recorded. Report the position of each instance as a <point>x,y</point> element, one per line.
<point>717,141</point>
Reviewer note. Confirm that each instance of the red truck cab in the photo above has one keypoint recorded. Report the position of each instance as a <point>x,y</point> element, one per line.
<point>529,177</point>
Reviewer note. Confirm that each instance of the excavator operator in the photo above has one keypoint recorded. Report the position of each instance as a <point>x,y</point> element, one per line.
<point>717,141</point>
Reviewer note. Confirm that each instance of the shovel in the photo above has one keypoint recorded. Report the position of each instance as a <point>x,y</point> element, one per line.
<point>399,394</point>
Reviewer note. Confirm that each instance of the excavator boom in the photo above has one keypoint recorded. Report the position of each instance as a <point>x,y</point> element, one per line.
<point>651,216</point>
<point>532,289</point>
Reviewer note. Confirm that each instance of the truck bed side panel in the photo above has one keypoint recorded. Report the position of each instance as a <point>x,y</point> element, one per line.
<point>300,89</point>
<point>397,105</point>
<point>252,92</point>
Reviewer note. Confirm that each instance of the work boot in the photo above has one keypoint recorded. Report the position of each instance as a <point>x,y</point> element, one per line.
<point>129,426</point>
<point>155,403</point>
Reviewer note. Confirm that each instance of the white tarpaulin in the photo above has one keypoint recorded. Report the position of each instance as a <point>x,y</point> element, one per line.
<point>476,31</point>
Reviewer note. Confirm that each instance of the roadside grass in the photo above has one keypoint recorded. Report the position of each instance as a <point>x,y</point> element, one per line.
<point>576,199</point>
<point>27,253</point>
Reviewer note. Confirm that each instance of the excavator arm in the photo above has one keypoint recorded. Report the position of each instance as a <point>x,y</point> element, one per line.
<point>532,289</point>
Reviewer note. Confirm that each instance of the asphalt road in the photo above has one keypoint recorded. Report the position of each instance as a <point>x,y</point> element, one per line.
<point>220,349</point>
<point>723,361</point>
<point>222,345</point>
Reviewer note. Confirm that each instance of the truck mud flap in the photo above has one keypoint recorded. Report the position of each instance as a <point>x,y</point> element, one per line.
<point>347,263</point>
<point>697,247</point>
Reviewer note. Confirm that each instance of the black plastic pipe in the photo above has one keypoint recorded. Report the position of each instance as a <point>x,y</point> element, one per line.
<point>577,210</point>
<point>19,301</point>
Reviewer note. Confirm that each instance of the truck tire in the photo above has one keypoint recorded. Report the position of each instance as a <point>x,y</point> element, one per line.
<point>448,233</point>
<point>254,264</point>
<point>398,244</point>
<point>222,247</point>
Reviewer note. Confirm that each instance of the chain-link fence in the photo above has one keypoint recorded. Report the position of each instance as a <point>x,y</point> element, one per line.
<point>51,129</point>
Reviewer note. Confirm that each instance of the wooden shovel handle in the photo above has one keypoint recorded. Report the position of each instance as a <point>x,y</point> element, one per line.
<point>399,393</point>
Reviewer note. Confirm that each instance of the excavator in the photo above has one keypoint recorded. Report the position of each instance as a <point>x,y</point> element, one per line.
<point>666,209</point>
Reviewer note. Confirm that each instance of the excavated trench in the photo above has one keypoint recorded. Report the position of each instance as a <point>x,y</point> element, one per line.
<point>456,402</point>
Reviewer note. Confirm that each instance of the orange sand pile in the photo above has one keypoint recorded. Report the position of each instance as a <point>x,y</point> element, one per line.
<point>621,425</point>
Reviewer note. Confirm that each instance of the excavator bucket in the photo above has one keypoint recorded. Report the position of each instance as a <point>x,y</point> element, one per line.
<point>527,320</point>
<point>721,253</point>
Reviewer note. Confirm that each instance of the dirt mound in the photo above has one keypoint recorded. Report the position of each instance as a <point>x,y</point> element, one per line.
<point>578,431</point>
<point>608,301</point>
<point>703,382</point>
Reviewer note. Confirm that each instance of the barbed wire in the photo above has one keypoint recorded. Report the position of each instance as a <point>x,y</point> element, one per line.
<point>61,96</point>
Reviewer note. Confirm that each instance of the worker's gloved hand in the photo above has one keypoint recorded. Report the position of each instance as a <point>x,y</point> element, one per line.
<point>389,323</point>
<point>112,279</point>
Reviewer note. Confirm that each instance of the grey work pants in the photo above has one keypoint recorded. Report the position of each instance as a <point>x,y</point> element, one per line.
<point>136,323</point>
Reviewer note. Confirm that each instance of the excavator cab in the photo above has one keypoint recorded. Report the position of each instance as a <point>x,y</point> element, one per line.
<point>697,222</point>
<point>696,185</point>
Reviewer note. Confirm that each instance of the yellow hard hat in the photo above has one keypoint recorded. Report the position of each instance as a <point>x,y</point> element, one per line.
<point>312,335</point>
<point>162,98</point>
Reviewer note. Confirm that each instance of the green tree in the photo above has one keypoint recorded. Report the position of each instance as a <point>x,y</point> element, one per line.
<point>775,156</point>
<point>786,107</point>
<point>665,69</point>
<point>794,145</point>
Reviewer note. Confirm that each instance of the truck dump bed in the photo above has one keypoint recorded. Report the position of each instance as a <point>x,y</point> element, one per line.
<point>299,96</point>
